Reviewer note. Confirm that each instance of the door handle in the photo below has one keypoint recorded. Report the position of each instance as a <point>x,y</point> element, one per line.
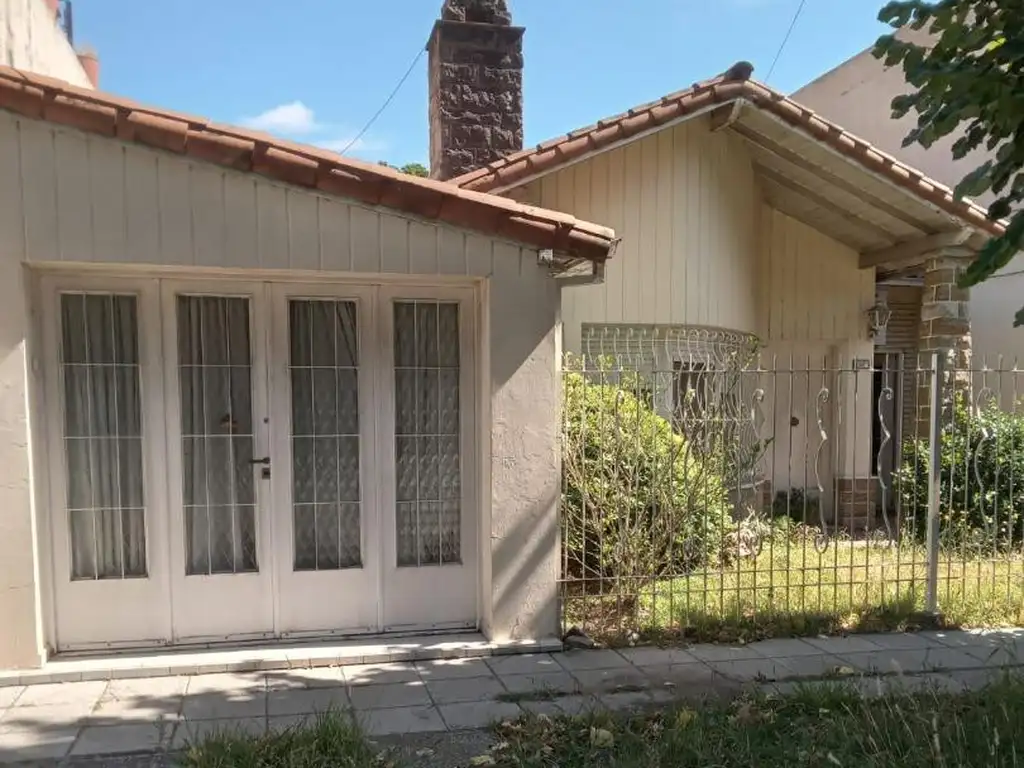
<point>265,461</point>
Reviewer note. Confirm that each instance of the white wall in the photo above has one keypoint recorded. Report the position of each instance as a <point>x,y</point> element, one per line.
<point>67,197</point>
<point>684,201</point>
<point>31,39</point>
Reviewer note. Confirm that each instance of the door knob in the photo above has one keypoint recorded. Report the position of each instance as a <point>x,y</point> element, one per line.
<point>265,461</point>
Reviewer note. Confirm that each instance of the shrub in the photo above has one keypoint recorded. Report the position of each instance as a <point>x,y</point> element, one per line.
<point>981,478</point>
<point>638,500</point>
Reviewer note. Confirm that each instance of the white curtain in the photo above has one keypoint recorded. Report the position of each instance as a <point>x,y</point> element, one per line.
<point>99,359</point>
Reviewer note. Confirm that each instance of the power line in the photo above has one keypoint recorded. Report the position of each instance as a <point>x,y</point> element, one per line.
<point>792,24</point>
<point>387,102</point>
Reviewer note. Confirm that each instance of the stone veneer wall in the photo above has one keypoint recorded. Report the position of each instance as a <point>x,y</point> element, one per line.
<point>476,87</point>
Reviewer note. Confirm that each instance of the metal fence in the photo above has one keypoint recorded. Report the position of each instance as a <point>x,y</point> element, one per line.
<point>714,489</point>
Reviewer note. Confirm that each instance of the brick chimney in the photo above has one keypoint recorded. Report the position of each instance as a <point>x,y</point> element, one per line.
<point>90,62</point>
<point>476,87</point>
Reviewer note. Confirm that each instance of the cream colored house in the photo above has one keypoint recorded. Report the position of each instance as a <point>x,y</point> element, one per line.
<point>251,389</point>
<point>858,94</point>
<point>33,39</point>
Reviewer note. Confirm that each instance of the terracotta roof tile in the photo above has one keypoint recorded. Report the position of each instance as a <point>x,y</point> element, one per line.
<point>54,101</point>
<point>735,84</point>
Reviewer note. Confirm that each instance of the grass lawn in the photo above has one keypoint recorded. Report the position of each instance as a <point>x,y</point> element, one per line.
<point>812,728</point>
<point>791,588</point>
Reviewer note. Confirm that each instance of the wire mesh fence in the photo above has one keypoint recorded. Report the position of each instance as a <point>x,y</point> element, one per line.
<point>714,489</point>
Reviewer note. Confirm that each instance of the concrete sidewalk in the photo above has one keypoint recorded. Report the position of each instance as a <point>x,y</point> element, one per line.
<point>51,722</point>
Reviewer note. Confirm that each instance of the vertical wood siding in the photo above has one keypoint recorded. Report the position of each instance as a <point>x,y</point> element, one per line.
<point>811,286</point>
<point>685,203</point>
<point>66,196</point>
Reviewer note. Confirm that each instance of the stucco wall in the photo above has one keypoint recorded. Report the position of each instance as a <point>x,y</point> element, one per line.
<point>684,201</point>
<point>30,39</point>
<point>66,197</point>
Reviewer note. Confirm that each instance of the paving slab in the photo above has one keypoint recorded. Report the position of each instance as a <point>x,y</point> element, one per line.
<point>227,682</point>
<point>307,701</point>
<point>464,689</point>
<point>56,717</point>
<point>35,745</point>
<point>912,661</point>
<point>211,706</point>
<point>899,641</point>
<point>448,669</point>
<point>189,732</point>
<point>9,695</point>
<point>382,722</point>
<point>298,679</point>
<point>141,700</point>
<point>784,647</point>
<point>657,657</point>
<point>610,680</point>
<point>527,664</point>
<point>381,674</point>
<point>752,669</point>
<point>478,714</point>
<point>625,702</point>
<point>388,696</point>
<point>117,739</point>
<point>595,659</point>
<point>545,683</point>
<point>709,652</point>
<point>51,694</point>
<point>843,645</point>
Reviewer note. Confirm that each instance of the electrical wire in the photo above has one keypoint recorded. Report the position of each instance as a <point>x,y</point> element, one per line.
<point>386,104</point>
<point>782,47</point>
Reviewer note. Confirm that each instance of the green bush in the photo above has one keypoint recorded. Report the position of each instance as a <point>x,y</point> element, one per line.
<point>981,478</point>
<point>638,501</point>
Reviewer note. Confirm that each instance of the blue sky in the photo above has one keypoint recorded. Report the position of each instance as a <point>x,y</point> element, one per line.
<point>317,70</point>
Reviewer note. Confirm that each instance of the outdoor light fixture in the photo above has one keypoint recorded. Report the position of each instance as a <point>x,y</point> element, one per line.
<point>878,318</point>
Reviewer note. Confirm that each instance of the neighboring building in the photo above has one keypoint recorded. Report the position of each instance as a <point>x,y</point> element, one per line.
<point>746,219</point>
<point>256,390</point>
<point>858,95</point>
<point>33,39</point>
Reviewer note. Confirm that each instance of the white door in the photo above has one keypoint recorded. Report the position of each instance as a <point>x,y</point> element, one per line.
<point>427,451</point>
<point>107,521</point>
<point>255,459</point>
<point>218,435</point>
<point>325,513</point>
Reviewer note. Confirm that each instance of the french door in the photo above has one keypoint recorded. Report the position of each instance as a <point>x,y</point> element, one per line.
<point>253,459</point>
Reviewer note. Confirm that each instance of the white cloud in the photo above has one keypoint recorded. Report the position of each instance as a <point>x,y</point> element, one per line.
<point>363,144</point>
<point>289,119</point>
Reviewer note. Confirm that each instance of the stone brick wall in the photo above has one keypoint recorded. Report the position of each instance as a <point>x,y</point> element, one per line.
<point>476,87</point>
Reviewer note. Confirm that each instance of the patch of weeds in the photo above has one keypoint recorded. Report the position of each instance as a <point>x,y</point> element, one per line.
<point>328,739</point>
<point>822,725</point>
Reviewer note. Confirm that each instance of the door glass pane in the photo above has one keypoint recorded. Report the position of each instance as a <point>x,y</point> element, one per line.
<point>427,418</point>
<point>217,434</point>
<point>99,366</point>
<point>324,367</point>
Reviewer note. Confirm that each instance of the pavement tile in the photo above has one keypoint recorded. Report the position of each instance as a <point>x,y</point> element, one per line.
<point>9,694</point>
<point>844,645</point>
<point>449,669</point>
<point>51,694</point>
<point>299,679</point>
<point>238,704</point>
<point>622,702</point>
<point>821,665</point>
<point>306,702</point>
<point>115,739</point>
<point>707,652</point>
<point>574,705</point>
<point>380,674</point>
<point>544,707</point>
<point>784,647</point>
<point>464,689</point>
<point>976,679</point>
<point>34,745</point>
<point>547,682</point>
<point>388,696</point>
<point>657,657</point>
<point>478,714</point>
<point>141,700</point>
<point>595,659</point>
<point>525,664</point>
<point>900,641</point>
<point>383,722</point>
<point>752,669</point>
<point>58,717</point>
<point>225,682</point>
<point>912,661</point>
<point>192,731</point>
<point>610,680</point>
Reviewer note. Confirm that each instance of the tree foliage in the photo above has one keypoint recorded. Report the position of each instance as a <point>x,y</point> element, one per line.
<point>413,169</point>
<point>969,81</point>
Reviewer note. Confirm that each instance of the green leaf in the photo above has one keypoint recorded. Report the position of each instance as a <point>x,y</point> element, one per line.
<point>976,182</point>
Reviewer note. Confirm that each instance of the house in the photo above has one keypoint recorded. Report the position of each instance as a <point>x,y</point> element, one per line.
<point>746,219</point>
<point>858,94</point>
<point>34,36</point>
<point>252,389</point>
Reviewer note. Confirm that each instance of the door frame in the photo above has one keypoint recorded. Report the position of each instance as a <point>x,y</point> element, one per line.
<point>151,278</point>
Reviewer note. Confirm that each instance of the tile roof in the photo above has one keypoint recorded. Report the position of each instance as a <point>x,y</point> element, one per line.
<point>55,101</point>
<point>732,86</point>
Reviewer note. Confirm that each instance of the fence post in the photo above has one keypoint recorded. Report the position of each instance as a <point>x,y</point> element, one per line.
<point>934,469</point>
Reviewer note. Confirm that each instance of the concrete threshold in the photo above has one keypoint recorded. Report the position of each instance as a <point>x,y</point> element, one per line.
<point>123,665</point>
